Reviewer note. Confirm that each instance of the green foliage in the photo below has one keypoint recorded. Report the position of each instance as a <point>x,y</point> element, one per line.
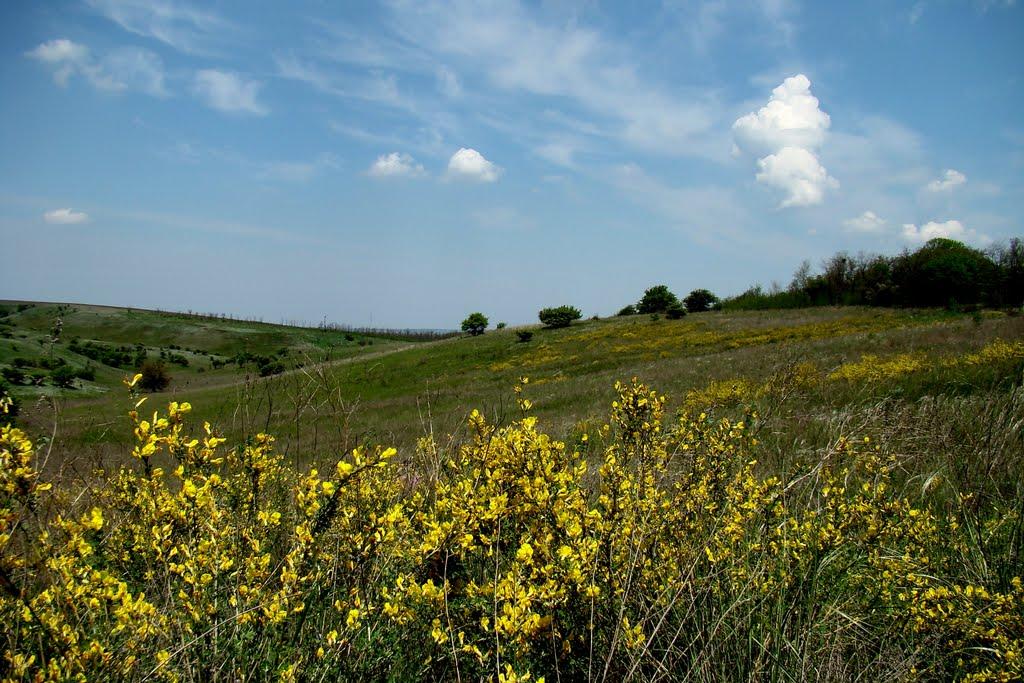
<point>14,375</point>
<point>561,316</point>
<point>524,335</point>
<point>675,311</point>
<point>943,272</point>
<point>657,299</point>
<point>475,324</point>
<point>154,376</point>
<point>700,300</point>
<point>629,309</point>
<point>500,326</point>
<point>63,376</point>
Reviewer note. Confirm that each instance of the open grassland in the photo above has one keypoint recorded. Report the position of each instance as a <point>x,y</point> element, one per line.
<point>828,494</point>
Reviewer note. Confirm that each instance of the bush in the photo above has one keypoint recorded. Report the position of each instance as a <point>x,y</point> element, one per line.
<point>700,300</point>
<point>268,369</point>
<point>475,324</point>
<point>657,299</point>
<point>88,373</point>
<point>154,376</point>
<point>63,376</point>
<point>14,375</point>
<point>500,326</point>
<point>562,316</point>
<point>524,335</point>
<point>675,311</point>
<point>627,310</point>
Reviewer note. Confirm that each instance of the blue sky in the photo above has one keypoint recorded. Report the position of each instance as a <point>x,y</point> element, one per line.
<point>405,163</point>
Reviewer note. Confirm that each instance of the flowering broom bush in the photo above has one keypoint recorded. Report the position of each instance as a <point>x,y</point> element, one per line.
<point>660,551</point>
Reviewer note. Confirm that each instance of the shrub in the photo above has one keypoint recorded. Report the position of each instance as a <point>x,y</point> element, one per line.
<point>63,376</point>
<point>154,376</point>
<point>657,299</point>
<point>14,375</point>
<point>500,326</point>
<point>561,316</point>
<point>88,373</point>
<point>700,300</point>
<point>524,335</point>
<point>629,309</point>
<point>675,311</point>
<point>475,324</point>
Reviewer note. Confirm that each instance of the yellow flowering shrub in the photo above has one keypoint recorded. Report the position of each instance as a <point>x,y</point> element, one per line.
<point>661,550</point>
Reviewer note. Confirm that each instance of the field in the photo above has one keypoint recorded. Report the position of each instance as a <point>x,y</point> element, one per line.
<point>829,494</point>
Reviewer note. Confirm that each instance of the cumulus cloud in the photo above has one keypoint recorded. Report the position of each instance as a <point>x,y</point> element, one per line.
<point>867,222</point>
<point>395,165</point>
<point>65,217</point>
<point>228,92</point>
<point>951,229</point>
<point>792,118</point>
<point>950,179</point>
<point>126,68</point>
<point>798,173</point>
<point>786,134</point>
<point>469,164</point>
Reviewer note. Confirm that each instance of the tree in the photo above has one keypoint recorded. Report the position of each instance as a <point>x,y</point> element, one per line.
<point>475,324</point>
<point>154,376</point>
<point>628,309</point>
<point>700,300</point>
<point>561,316</point>
<point>943,272</point>
<point>657,299</point>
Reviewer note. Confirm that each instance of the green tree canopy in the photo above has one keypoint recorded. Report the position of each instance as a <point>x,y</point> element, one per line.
<point>475,323</point>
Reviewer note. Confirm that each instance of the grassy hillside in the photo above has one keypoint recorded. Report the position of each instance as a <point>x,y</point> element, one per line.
<point>198,351</point>
<point>337,392</point>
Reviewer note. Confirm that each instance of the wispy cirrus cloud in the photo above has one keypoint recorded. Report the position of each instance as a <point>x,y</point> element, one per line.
<point>187,28</point>
<point>126,68</point>
<point>229,92</point>
<point>65,217</point>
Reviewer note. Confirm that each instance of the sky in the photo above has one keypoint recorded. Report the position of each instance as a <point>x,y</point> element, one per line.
<point>401,164</point>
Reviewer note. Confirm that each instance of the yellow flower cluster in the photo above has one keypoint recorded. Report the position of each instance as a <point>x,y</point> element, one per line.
<point>519,559</point>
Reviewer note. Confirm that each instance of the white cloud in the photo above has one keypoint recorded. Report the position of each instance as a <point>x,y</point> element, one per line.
<point>787,132</point>
<point>228,92</point>
<point>395,165</point>
<point>174,23</point>
<point>798,173</point>
<point>58,51</point>
<point>950,229</point>
<point>950,179</point>
<point>792,118</point>
<point>469,164</point>
<point>126,68</point>
<point>867,222</point>
<point>65,217</point>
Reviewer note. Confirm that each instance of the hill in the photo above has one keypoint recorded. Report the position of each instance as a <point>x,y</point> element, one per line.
<point>338,389</point>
